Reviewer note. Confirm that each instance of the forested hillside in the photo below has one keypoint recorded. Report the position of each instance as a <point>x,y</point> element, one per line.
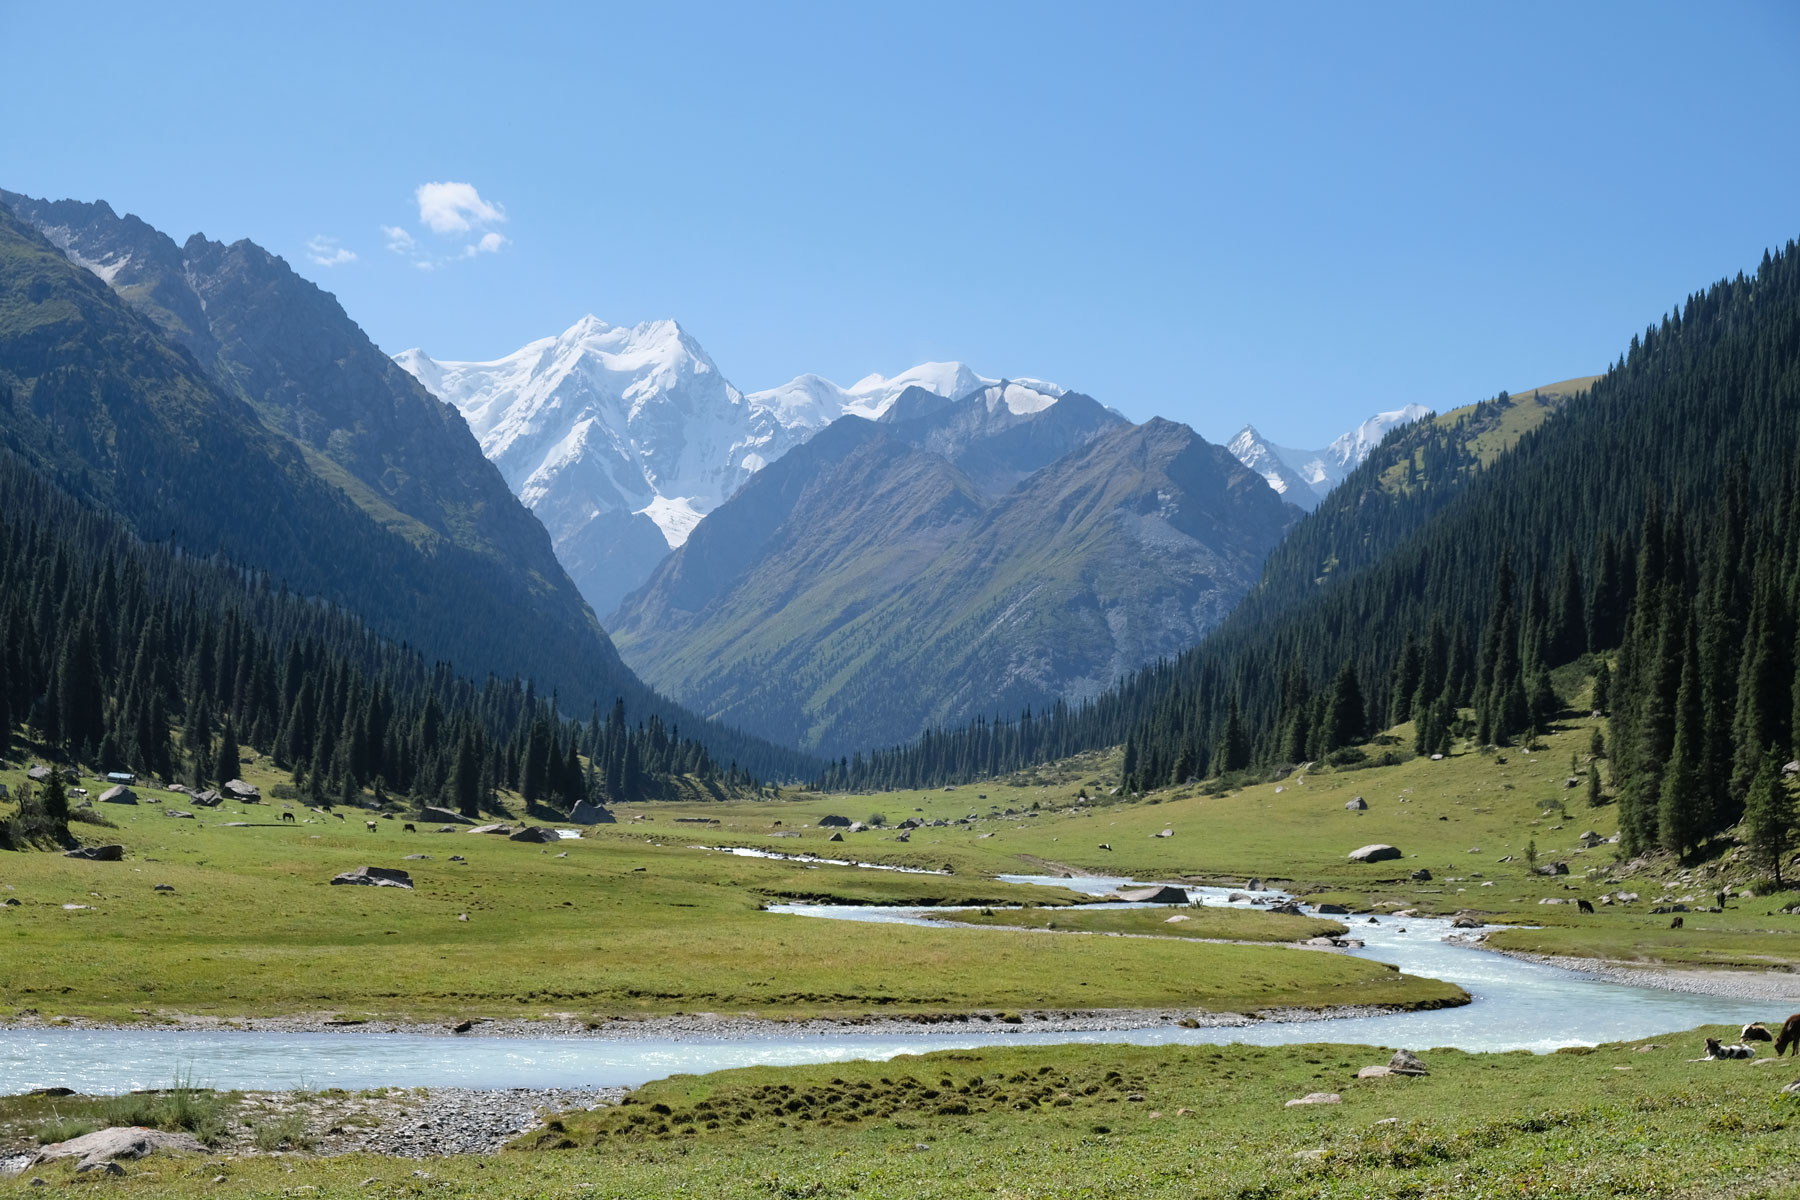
<point>210,398</point>
<point>109,646</point>
<point>1657,515</point>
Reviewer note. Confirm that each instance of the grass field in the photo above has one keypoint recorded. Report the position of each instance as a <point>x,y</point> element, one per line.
<point>630,920</point>
<point>1107,1121</point>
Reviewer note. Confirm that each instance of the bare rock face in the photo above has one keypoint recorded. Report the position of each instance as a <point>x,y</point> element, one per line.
<point>1375,852</point>
<point>376,877</point>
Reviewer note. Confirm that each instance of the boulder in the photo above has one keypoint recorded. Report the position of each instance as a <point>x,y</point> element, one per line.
<point>97,853</point>
<point>1239,898</point>
<point>1164,833</point>
<point>98,1150</point>
<point>176,812</point>
<point>835,837</point>
<point>1330,910</point>
<point>163,887</point>
<point>858,827</point>
<point>1254,885</point>
<point>207,799</point>
<point>443,816</point>
<point>118,795</point>
<point>535,833</point>
<point>1554,868</point>
<point>502,830</point>
<point>38,774</point>
<point>1374,1072</point>
<point>237,789</point>
<point>1286,907</point>
<point>1375,852</point>
<point>1465,921</point>
<point>375,877</point>
<point>1153,895</point>
<point>832,820</point>
<point>1422,875</point>
<point>591,814</point>
<point>1356,804</point>
<point>1405,1062</point>
<point>1317,1098</point>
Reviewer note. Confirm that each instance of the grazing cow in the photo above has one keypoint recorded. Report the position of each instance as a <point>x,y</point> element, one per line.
<point>287,816</point>
<point>1756,1032</point>
<point>1675,924</point>
<point>408,828</point>
<point>1584,906</point>
<point>1790,1035</point>
<point>1716,1052</point>
<point>371,826</point>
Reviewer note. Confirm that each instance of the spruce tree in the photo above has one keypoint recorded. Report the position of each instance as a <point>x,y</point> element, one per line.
<point>1344,719</point>
<point>228,753</point>
<point>1769,815</point>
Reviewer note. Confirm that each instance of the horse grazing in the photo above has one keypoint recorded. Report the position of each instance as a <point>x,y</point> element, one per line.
<point>1790,1036</point>
<point>1675,924</point>
<point>287,816</point>
<point>409,828</point>
<point>1584,906</point>
<point>1716,1052</point>
<point>1756,1031</point>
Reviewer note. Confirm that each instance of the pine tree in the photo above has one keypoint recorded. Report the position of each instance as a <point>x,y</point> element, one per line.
<point>1595,797</point>
<point>1345,719</point>
<point>1769,815</point>
<point>228,753</point>
<point>54,797</point>
<point>1233,751</point>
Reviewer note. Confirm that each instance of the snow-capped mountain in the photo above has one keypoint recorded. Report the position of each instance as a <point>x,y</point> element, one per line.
<point>1303,477</point>
<point>621,438</point>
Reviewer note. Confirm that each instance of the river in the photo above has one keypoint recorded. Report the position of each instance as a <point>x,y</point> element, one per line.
<point>1517,1005</point>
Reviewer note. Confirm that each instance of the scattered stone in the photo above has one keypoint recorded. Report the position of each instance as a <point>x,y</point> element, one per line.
<point>536,834</point>
<point>1555,868</point>
<point>1374,1072</point>
<point>830,820</point>
<point>1374,852</point>
<point>1317,1098</point>
<point>1405,1062</point>
<point>1465,921</point>
<point>1176,919</point>
<point>1330,910</point>
<point>1422,875</point>
<point>458,858</point>
<point>1437,758</point>
<point>835,837</point>
<point>443,816</point>
<point>462,1027</point>
<point>1164,833</point>
<point>98,1150</point>
<point>585,813</point>
<point>1153,895</point>
<point>1358,804</point>
<point>376,877</point>
<point>417,857</point>
<point>97,853</point>
<point>178,814</point>
<point>858,827</point>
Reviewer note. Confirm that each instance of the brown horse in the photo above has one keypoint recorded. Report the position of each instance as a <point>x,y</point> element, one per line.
<point>1790,1035</point>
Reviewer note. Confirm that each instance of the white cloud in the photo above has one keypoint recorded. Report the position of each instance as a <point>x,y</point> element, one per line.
<point>327,252</point>
<point>447,208</point>
<point>457,214</point>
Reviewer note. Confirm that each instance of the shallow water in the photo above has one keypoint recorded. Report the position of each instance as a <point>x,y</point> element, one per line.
<point>1517,1006</point>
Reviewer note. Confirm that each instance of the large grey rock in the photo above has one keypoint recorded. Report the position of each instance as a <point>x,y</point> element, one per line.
<point>1153,895</point>
<point>1375,852</point>
<point>832,819</point>
<point>858,827</point>
<point>535,833</point>
<point>1317,1098</point>
<point>1405,1062</point>
<point>1554,868</point>
<point>97,853</point>
<point>38,774</point>
<point>591,814</point>
<point>1330,910</point>
<point>96,1150</point>
<point>1356,804</point>
<point>118,795</point>
<point>1422,875</point>
<point>835,837</point>
<point>208,798</point>
<point>176,812</point>
<point>443,816</point>
<point>375,877</point>
<point>502,830</point>
<point>237,789</point>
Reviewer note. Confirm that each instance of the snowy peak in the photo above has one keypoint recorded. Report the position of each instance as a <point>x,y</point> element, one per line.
<point>1304,477</point>
<point>621,438</point>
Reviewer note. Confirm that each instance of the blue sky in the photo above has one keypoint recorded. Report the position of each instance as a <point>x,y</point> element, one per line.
<point>1288,214</point>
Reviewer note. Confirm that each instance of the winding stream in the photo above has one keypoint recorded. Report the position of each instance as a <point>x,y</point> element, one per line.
<point>1517,1006</point>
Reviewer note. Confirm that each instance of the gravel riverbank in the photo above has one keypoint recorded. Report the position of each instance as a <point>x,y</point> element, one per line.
<point>728,1027</point>
<point>1774,986</point>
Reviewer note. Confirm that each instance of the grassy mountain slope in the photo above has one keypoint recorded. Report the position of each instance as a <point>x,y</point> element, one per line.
<point>865,586</point>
